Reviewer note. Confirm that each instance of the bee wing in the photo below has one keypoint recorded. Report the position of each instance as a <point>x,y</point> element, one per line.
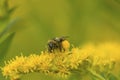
<point>65,37</point>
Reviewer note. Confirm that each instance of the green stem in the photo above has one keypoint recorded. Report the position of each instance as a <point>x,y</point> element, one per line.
<point>95,74</point>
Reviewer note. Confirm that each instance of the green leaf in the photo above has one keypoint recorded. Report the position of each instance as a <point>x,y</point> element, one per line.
<point>112,77</point>
<point>95,75</point>
<point>12,10</point>
<point>8,27</point>
<point>5,42</point>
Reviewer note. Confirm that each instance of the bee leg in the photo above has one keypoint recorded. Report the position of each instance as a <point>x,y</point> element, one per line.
<point>49,50</point>
<point>61,48</point>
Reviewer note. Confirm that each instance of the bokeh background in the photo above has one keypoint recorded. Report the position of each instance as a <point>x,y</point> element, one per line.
<point>84,21</point>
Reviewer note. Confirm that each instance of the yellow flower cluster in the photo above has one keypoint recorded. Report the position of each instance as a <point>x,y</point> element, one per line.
<point>58,63</point>
<point>28,64</point>
<point>52,63</point>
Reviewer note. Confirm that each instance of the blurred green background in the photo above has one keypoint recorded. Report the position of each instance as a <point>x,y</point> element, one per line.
<point>37,21</point>
<point>82,20</point>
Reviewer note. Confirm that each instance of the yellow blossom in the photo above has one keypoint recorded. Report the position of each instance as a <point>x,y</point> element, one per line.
<point>62,63</point>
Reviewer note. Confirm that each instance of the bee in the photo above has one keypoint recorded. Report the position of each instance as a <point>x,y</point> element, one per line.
<point>58,44</point>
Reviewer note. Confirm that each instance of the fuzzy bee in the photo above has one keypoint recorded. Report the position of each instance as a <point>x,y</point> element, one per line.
<point>58,44</point>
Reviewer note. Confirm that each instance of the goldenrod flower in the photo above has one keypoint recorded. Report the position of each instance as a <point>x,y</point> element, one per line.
<point>60,63</point>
